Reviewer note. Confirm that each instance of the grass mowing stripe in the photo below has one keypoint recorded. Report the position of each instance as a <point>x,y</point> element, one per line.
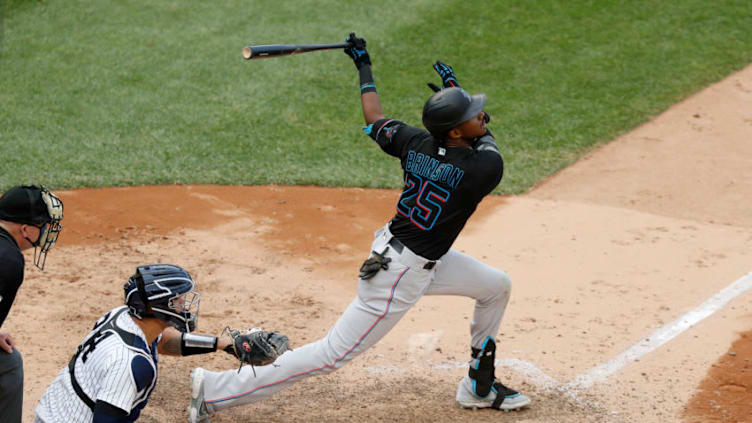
<point>114,93</point>
<point>565,77</point>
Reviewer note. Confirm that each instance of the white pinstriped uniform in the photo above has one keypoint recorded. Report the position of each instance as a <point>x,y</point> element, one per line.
<point>105,375</point>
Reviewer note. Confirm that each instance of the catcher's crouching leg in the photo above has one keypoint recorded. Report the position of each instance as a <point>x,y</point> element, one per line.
<point>481,389</point>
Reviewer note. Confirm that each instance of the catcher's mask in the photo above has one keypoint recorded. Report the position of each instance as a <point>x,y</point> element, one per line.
<point>36,206</point>
<point>448,108</point>
<point>164,292</point>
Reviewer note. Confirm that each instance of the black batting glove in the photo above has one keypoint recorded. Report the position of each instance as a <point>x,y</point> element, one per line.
<point>448,79</point>
<point>357,51</point>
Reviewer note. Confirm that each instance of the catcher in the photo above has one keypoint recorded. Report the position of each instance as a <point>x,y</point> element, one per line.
<point>114,370</point>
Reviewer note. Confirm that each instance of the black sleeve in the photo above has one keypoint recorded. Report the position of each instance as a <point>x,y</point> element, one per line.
<point>489,162</point>
<point>105,412</point>
<point>11,276</point>
<point>392,135</point>
<point>487,143</point>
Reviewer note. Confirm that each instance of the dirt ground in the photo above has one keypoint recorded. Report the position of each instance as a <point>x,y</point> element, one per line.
<point>602,255</point>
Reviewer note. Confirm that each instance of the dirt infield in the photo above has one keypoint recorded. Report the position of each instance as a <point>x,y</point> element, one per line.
<point>602,256</point>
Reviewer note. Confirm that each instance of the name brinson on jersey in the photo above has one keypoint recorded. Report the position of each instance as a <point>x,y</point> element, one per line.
<point>428,167</point>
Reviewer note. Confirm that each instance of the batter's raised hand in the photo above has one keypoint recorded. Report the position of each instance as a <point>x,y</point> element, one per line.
<point>448,79</point>
<point>357,51</point>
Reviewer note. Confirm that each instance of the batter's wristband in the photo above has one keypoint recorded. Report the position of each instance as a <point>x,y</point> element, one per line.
<point>366,80</point>
<point>192,344</point>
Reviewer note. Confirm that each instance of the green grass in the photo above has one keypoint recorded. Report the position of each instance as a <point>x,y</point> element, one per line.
<point>112,93</point>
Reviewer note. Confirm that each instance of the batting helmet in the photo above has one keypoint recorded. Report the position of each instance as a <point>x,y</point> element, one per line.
<point>164,292</point>
<point>448,108</point>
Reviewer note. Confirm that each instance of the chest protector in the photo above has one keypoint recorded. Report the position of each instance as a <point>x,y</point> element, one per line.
<point>103,330</point>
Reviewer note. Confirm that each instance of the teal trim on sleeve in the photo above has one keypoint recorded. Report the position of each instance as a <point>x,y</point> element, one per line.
<point>368,87</point>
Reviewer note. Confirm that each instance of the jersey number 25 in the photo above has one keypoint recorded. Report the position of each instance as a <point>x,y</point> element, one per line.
<point>421,201</point>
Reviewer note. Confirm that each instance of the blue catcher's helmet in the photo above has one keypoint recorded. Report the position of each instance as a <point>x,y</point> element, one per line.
<point>164,292</point>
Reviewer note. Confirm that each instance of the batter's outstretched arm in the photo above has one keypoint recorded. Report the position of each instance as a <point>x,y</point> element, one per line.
<point>370,99</point>
<point>356,49</point>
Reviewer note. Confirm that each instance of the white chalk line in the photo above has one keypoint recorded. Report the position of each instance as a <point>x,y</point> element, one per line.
<point>662,335</point>
<point>602,371</point>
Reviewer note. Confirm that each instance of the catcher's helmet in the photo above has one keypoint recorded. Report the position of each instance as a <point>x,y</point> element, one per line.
<point>448,108</point>
<point>164,292</point>
<point>37,206</point>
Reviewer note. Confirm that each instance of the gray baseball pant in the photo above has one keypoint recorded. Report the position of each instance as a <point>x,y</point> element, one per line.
<point>380,303</point>
<point>11,386</point>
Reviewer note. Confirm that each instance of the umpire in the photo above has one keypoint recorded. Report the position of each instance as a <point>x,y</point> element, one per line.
<point>29,218</point>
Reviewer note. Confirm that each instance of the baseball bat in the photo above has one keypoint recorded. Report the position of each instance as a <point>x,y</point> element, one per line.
<point>275,50</point>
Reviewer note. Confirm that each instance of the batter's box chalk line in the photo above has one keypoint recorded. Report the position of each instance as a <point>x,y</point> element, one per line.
<point>601,372</point>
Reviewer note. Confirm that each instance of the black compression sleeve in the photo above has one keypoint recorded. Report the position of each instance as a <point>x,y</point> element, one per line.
<point>366,80</point>
<point>197,344</point>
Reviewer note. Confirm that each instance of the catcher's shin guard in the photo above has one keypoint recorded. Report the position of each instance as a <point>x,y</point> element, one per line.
<point>482,370</point>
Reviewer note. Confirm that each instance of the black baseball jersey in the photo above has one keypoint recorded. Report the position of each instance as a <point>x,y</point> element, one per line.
<point>11,272</point>
<point>443,186</point>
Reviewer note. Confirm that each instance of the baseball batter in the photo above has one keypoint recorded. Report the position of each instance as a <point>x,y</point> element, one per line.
<point>114,370</point>
<point>448,170</point>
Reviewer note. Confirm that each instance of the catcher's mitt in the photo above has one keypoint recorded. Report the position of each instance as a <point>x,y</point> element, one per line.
<point>255,346</point>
